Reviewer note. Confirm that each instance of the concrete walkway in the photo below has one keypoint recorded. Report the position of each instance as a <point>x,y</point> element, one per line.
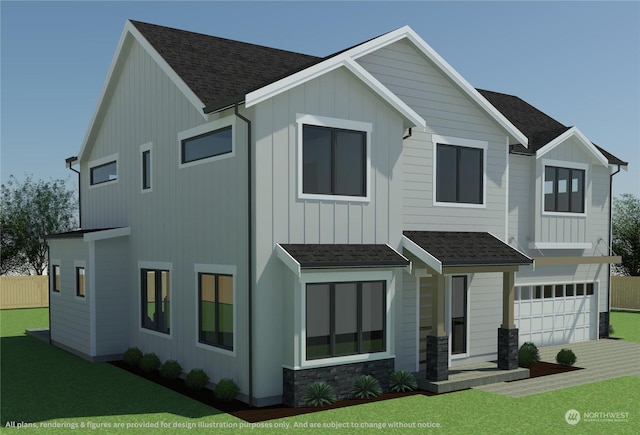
<point>600,359</point>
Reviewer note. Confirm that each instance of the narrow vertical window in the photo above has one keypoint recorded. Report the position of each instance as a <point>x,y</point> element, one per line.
<point>80,282</point>
<point>458,315</point>
<point>216,310</point>
<point>146,170</point>
<point>55,278</point>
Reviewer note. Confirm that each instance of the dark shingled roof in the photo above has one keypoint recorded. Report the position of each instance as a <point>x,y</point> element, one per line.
<point>315,256</point>
<point>220,70</point>
<point>467,248</point>
<point>539,127</point>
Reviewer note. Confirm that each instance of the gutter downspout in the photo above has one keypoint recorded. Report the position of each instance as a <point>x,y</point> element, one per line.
<point>250,249</point>
<point>610,237</point>
<point>49,285</point>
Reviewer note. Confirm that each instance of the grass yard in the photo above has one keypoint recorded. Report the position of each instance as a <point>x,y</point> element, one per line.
<point>44,385</point>
<point>626,325</point>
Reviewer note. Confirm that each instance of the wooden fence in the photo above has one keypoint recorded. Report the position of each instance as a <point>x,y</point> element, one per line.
<point>23,292</point>
<point>625,292</point>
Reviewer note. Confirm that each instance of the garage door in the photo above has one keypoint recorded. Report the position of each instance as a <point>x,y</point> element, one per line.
<point>556,313</point>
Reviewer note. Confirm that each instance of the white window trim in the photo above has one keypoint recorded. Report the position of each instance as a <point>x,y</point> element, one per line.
<point>343,276</point>
<point>157,266</point>
<point>101,161</point>
<point>222,269</point>
<point>203,129</point>
<point>462,142</point>
<point>55,262</point>
<point>143,148</point>
<point>83,264</point>
<point>568,165</point>
<point>345,124</point>
<point>449,314</point>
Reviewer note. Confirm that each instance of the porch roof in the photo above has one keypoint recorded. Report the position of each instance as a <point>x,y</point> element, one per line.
<point>337,256</point>
<point>92,234</point>
<point>440,249</point>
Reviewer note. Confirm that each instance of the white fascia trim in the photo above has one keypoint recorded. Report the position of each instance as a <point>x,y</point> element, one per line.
<point>560,245</point>
<point>408,33</point>
<point>422,255</point>
<point>574,132</point>
<point>384,92</point>
<point>129,33</point>
<point>107,234</point>
<point>288,260</point>
<point>327,66</point>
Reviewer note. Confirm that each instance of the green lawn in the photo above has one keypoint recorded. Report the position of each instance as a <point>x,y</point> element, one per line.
<point>626,325</point>
<point>41,384</point>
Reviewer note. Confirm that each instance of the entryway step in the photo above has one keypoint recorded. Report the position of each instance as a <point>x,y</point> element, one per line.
<point>463,377</point>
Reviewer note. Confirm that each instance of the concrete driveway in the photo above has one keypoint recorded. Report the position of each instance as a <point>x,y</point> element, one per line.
<point>600,359</point>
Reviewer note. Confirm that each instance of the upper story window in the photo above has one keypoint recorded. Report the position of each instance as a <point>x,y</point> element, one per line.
<point>459,174</point>
<point>145,169</point>
<point>564,189</point>
<point>104,173</point>
<point>207,142</point>
<point>333,158</point>
<point>207,145</point>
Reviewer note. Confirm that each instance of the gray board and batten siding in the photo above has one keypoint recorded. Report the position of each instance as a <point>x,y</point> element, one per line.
<point>192,215</point>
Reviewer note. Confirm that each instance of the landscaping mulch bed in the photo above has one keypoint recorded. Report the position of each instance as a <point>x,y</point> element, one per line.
<point>545,368</point>
<point>254,415</point>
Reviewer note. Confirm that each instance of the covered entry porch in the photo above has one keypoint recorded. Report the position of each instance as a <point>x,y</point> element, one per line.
<point>446,263</point>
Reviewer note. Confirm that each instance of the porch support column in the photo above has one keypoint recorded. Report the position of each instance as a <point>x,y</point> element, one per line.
<point>508,333</point>
<point>438,341</point>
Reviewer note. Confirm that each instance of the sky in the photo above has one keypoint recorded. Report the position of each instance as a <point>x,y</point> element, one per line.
<point>579,62</point>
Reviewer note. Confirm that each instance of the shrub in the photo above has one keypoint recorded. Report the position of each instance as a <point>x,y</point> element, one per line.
<point>528,354</point>
<point>196,379</point>
<point>402,380</point>
<point>566,357</point>
<point>150,362</point>
<point>366,386</point>
<point>318,394</point>
<point>611,330</point>
<point>132,356</point>
<point>171,370</point>
<point>226,390</point>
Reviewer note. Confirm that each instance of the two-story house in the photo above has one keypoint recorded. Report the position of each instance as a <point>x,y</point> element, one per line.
<point>277,218</point>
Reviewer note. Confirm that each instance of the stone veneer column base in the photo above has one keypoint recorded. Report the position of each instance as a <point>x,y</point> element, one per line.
<point>507,348</point>
<point>604,325</point>
<point>339,377</point>
<point>437,358</point>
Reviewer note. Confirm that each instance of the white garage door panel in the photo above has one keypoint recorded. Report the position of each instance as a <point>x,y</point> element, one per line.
<point>567,314</point>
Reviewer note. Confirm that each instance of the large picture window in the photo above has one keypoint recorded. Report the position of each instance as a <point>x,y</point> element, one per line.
<point>459,174</point>
<point>563,189</point>
<point>215,310</point>
<point>345,318</point>
<point>156,301</point>
<point>207,145</point>
<point>334,161</point>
